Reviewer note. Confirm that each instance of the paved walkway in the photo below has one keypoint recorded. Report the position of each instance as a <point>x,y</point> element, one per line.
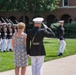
<point>63,66</point>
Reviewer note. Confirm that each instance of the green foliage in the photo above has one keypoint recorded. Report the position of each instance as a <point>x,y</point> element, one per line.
<point>51,47</point>
<point>39,6</point>
<point>32,6</point>
<point>54,27</point>
<point>13,5</point>
<point>70,30</point>
<point>6,61</point>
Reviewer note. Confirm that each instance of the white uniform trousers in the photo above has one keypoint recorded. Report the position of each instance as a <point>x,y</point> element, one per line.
<point>37,64</point>
<point>9,44</point>
<point>0,43</point>
<point>4,45</point>
<point>62,46</point>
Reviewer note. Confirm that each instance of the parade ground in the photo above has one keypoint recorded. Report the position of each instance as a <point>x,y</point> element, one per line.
<point>62,66</point>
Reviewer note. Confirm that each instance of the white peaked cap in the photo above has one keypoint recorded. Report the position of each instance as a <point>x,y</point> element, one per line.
<point>38,20</point>
<point>61,21</point>
<point>15,24</point>
<point>1,23</point>
<point>9,24</point>
<point>4,23</point>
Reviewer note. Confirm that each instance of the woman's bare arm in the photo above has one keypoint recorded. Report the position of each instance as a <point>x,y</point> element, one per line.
<point>13,42</point>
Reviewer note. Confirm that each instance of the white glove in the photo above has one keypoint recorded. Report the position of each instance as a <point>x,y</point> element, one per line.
<point>45,26</point>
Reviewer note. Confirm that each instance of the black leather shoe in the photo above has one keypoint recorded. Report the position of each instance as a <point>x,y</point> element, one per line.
<point>10,49</point>
<point>4,51</point>
<point>60,54</point>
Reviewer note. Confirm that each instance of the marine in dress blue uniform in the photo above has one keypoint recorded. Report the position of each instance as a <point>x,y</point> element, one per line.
<point>60,34</point>
<point>36,50</point>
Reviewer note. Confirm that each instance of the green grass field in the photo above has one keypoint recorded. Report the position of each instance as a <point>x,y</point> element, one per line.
<point>51,46</point>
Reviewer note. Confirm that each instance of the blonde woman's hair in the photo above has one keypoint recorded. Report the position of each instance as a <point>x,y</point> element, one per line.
<point>21,25</point>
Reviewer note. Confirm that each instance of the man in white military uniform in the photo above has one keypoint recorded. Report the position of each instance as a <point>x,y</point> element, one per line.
<point>60,33</point>
<point>36,50</point>
<point>9,37</point>
<point>4,37</point>
<point>0,35</point>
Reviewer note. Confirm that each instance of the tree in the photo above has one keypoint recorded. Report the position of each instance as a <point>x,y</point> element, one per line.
<point>32,6</point>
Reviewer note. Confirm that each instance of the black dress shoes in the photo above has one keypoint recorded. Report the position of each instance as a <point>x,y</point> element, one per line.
<point>60,54</point>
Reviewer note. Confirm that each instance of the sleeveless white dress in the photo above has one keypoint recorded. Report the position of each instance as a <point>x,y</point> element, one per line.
<point>20,53</point>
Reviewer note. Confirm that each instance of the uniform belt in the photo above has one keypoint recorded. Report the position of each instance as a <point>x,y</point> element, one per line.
<point>37,43</point>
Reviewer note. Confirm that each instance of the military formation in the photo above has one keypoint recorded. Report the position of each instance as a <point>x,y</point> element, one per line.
<point>7,29</point>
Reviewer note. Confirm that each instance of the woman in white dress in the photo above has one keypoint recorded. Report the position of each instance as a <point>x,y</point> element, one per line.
<point>19,49</point>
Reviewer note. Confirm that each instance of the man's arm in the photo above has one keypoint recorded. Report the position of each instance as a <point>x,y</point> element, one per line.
<point>13,43</point>
<point>28,44</point>
<point>49,33</point>
<point>58,32</point>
